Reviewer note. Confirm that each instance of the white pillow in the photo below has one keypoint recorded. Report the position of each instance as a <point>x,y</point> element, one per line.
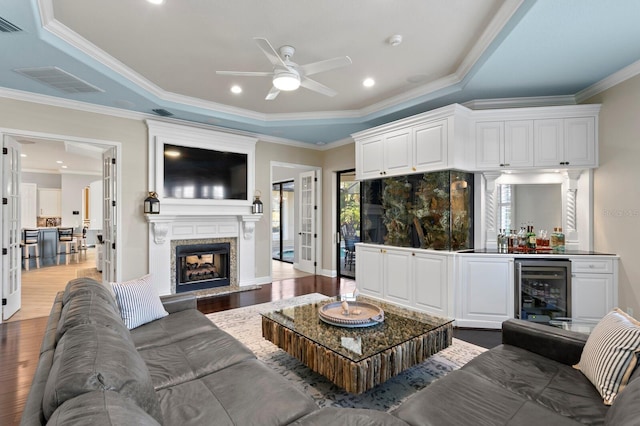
<point>611,354</point>
<point>138,301</point>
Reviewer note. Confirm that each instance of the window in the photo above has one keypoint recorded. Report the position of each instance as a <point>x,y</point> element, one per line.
<point>505,207</point>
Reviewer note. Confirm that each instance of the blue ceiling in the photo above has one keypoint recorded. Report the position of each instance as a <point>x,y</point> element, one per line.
<point>548,48</point>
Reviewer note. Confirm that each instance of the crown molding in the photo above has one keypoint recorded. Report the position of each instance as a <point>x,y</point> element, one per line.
<point>536,101</point>
<point>606,83</point>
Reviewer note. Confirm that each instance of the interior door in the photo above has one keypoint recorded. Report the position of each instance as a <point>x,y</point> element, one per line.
<point>110,225</point>
<point>307,233</point>
<point>11,273</point>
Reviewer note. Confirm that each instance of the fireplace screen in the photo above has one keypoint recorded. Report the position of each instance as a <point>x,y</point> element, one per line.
<point>202,266</point>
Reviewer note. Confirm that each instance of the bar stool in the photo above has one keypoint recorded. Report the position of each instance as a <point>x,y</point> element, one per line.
<point>65,238</point>
<point>30,239</point>
<point>81,241</point>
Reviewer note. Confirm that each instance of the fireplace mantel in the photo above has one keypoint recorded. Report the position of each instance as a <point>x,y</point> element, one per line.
<point>199,219</point>
<point>159,223</point>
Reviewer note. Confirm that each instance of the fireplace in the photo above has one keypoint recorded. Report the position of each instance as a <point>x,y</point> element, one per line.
<point>202,266</point>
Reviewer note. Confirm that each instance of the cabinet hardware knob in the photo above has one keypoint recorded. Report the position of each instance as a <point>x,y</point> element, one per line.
<point>413,254</point>
<point>501,165</point>
<point>507,164</point>
<point>413,168</point>
<point>566,163</point>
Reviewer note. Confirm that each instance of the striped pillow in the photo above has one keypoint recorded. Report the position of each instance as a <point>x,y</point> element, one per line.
<point>611,353</point>
<point>138,301</point>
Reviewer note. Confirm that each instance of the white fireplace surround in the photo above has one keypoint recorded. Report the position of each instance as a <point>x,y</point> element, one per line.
<point>198,219</point>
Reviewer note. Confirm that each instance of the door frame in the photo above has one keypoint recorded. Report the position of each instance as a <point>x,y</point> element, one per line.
<point>18,133</point>
<point>297,169</point>
<point>338,234</point>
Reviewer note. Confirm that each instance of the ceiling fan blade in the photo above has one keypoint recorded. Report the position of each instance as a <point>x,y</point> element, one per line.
<point>272,94</point>
<point>317,87</point>
<point>270,52</point>
<point>246,73</point>
<point>326,65</point>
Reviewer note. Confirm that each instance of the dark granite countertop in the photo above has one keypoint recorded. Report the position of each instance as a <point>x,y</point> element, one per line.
<point>536,252</point>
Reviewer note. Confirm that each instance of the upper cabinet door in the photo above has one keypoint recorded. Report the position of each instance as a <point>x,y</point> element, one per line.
<point>549,142</point>
<point>397,152</point>
<point>579,141</point>
<point>49,202</point>
<point>489,144</point>
<point>518,143</point>
<point>369,158</point>
<point>430,146</point>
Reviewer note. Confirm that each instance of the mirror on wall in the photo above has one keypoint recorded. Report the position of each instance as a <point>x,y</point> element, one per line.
<point>539,205</point>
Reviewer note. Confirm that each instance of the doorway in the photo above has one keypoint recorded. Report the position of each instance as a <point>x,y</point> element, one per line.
<point>283,221</point>
<point>348,222</point>
<point>57,196</point>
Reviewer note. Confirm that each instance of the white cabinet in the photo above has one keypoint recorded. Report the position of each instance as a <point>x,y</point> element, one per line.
<point>421,143</point>
<point>565,142</point>
<point>593,287</point>
<point>430,145</point>
<point>501,144</point>
<point>410,277</point>
<point>388,154</point>
<point>369,270</point>
<point>486,291</point>
<point>431,283</point>
<point>49,202</point>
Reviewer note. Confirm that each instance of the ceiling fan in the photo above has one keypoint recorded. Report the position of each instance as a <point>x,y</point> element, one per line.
<point>287,75</point>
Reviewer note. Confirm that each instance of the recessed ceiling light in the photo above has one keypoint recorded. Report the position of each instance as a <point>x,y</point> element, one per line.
<point>236,89</point>
<point>156,1</point>
<point>64,167</point>
<point>59,161</point>
<point>368,82</point>
<point>23,155</point>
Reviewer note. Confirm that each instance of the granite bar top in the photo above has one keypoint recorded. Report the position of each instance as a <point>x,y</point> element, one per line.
<point>537,252</point>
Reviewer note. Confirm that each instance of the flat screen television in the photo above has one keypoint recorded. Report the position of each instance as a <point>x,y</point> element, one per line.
<point>205,174</point>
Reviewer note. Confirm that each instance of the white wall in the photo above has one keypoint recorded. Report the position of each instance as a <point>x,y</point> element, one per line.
<point>72,188</point>
<point>616,189</point>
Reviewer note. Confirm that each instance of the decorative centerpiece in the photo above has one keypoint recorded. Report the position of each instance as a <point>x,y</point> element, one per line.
<point>351,313</point>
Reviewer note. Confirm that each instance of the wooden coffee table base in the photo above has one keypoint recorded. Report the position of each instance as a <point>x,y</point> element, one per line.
<point>358,377</point>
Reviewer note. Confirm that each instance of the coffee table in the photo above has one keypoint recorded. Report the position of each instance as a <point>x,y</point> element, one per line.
<point>357,359</point>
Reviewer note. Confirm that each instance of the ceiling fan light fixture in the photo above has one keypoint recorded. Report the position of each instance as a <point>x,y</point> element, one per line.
<point>286,81</point>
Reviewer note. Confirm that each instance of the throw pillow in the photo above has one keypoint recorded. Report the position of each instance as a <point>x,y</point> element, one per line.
<point>138,301</point>
<point>611,353</point>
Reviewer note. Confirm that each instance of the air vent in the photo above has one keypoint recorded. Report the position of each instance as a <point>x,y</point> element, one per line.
<point>59,79</point>
<point>8,27</point>
<point>162,112</point>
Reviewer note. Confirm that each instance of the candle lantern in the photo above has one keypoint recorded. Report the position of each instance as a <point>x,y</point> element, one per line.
<point>257,206</point>
<point>152,204</point>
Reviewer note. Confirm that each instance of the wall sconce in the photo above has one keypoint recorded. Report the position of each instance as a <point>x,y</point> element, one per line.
<point>152,204</point>
<point>257,207</point>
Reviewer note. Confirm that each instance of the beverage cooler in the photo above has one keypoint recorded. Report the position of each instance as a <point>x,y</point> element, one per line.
<point>543,289</point>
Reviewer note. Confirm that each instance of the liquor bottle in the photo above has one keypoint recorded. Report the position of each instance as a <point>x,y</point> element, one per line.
<point>522,238</point>
<point>554,239</point>
<point>560,240</point>
<point>512,243</point>
<point>531,238</point>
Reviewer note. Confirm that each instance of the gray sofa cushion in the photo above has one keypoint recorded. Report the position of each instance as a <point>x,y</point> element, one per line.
<point>92,357</point>
<point>626,409</point>
<point>556,386</point>
<point>170,329</point>
<point>89,285</point>
<point>248,393</point>
<point>90,308</point>
<point>462,398</point>
<point>100,408</point>
<point>193,357</point>
<point>348,417</point>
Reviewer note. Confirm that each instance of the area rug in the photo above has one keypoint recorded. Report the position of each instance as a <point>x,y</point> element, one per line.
<point>245,324</point>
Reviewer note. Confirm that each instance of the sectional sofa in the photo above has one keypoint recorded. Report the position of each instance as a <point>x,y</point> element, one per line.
<point>183,370</point>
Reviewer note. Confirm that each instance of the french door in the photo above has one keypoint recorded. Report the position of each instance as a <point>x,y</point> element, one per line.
<point>307,232</point>
<point>11,261</point>
<point>110,223</point>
